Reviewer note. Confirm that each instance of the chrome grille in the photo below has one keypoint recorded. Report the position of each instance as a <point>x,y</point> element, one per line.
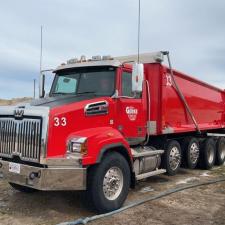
<point>20,138</point>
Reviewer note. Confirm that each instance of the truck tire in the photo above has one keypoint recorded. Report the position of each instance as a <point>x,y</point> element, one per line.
<point>207,154</point>
<point>109,182</point>
<point>190,152</point>
<point>22,188</point>
<point>171,159</point>
<point>220,151</point>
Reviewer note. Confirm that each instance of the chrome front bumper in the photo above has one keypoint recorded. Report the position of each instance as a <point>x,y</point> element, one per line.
<point>47,179</point>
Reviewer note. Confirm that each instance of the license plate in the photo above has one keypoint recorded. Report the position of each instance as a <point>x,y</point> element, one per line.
<point>14,168</point>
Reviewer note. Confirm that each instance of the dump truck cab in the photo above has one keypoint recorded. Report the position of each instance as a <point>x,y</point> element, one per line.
<point>58,140</point>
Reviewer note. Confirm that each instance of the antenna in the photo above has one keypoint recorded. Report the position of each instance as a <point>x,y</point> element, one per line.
<point>41,50</point>
<point>139,28</point>
<point>40,74</point>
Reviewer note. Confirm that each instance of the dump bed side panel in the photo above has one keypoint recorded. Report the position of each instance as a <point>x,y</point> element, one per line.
<point>167,109</point>
<point>205,101</point>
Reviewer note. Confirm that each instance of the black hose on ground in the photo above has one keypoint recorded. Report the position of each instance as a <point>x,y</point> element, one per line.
<point>160,195</point>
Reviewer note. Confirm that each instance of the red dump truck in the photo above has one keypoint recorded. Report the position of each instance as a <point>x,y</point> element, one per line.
<point>108,123</point>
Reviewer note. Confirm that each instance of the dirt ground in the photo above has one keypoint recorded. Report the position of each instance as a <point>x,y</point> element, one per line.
<point>203,205</point>
<point>14,101</point>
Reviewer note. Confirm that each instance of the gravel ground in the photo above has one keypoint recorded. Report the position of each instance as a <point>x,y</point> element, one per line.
<point>203,205</point>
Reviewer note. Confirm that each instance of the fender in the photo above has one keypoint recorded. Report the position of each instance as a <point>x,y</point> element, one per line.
<point>99,140</point>
<point>108,147</point>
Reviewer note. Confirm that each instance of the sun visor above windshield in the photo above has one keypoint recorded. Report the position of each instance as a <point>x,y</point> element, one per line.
<point>114,63</point>
<point>155,57</point>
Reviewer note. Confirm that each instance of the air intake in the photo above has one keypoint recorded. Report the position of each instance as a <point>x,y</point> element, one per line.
<point>97,108</point>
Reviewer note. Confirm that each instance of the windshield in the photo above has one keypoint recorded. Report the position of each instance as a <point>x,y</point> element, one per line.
<point>99,81</point>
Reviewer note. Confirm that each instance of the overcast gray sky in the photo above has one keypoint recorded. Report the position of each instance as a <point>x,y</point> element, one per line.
<point>193,31</point>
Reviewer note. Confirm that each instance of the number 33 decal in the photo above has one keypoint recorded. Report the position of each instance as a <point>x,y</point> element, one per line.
<point>60,121</point>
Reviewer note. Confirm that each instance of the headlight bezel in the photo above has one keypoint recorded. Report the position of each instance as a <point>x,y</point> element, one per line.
<point>77,145</point>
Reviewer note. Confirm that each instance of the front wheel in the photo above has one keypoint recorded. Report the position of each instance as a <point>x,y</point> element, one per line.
<point>109,182</point>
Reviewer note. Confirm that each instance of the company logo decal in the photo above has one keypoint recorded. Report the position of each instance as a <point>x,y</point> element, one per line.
<point>18,113</point>
<point>131,112</point>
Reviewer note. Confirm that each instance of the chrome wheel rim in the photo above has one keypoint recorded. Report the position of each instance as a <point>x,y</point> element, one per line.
<point>210,154</point>
<point>194,152</point>
<point>174,158</point>
<point>113,183</point>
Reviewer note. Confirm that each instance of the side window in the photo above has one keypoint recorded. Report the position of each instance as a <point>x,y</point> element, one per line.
<point>127,84</point>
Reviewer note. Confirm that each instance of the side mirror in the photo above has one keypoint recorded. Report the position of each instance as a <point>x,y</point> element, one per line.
<point>137,77</point>
<point>42,86</point>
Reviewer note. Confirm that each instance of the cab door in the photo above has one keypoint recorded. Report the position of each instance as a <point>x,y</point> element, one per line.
<point>131,110</point>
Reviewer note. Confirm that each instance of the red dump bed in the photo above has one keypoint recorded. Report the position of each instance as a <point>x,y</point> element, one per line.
<point>168,113</point>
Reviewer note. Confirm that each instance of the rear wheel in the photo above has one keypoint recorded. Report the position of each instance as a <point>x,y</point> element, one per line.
<point>109,182</point>
<point>220,151</point>
<point>190,150</point>
<point>22,188</point>
<point>207,154</point>
<point>171,159</point>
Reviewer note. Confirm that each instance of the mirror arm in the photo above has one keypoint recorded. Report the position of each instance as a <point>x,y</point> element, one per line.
<point>116,95</point>
<point>42,86</point>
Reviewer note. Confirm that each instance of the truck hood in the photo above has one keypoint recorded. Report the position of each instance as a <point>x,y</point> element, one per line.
<point>44,105</point>
<point>56,101</point>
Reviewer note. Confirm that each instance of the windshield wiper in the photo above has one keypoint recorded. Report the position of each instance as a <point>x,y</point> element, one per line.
<point>86,92</point>
<point>78,93</point>
<point>61,93</point>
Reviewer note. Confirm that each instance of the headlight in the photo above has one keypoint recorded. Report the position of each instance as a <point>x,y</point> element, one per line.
<point>77,145</point>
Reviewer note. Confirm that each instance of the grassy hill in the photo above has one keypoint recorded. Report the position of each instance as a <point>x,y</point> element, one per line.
<point>14,101</point>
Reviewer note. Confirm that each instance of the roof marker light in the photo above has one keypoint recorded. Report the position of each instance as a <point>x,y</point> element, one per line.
<point>107,57</point>
<point>83,58</point>
<point>71,61</point>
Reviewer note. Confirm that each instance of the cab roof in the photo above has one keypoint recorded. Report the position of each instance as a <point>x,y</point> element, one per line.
<point>155,57</point>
